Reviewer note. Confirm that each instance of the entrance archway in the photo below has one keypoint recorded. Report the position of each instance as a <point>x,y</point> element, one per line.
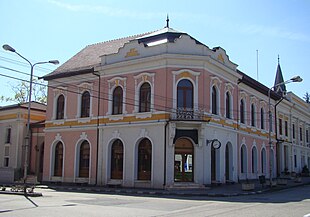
<point>183,161</point>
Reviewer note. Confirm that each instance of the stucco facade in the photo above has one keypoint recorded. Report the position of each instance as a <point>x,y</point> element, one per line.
<point>155,105</point>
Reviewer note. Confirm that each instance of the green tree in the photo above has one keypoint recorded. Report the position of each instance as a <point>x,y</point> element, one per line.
<point>307,97</point>
<point>21,92</point>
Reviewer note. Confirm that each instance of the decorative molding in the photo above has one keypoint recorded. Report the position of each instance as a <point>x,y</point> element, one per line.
<point>172,130</point>
<point>58,137</point>
<point>132,53</point>
<point>83,136</point>
<point>116,134</point>
<point>143,133</point>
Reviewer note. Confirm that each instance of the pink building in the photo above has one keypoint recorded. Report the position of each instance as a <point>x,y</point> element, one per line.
<point>155,110</point>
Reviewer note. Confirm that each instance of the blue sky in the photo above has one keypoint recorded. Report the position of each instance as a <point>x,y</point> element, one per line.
<point>43,30</point>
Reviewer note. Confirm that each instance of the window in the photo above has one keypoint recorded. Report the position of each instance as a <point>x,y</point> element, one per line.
<point>84,160</point>
<point>286,128</point>
<point>185,94</point>
<point>293,131</point>
<point>144,160</point>
<point>228,105</point>
<point>8,135</point>
<point>117,152</point>
<point>6,156</point>
<point>300,134</point>
<point>214,101</point>
<point>58,163</point>
<point>253,115</point>
<point>307,135</point>
<point>242,111</point>
<point>262,118</point>
<point>243,159</point>
<point>117,104</point>
<point>60,109</point>
<point>254,160</point>
<point>85,104</point>
<point>280,126</point>
<point>145,98</point>
<point>295,160</point>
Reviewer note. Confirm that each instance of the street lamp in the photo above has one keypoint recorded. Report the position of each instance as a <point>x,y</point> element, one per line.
<point>293,79</point>
<point>27,138</point>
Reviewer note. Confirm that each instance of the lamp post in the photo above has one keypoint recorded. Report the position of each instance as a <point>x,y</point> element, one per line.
<point>27,138</point>
<point>293,79</point>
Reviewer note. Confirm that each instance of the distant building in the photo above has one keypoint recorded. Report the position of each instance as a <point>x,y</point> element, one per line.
<point>13,127</point>
<point>157,110</point>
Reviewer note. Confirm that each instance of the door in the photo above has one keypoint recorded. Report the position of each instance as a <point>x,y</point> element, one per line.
<point>183,161</point>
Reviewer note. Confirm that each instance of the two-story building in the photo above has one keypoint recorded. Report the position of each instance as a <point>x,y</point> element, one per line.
<point>156,110</point>
<point>13,129</point>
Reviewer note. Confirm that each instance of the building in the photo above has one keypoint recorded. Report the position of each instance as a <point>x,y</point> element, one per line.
<point>13,129</point>
<point>156,110</point>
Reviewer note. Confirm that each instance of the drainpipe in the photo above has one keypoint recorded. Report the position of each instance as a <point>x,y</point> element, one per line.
<point>165,153</point>
<point>97,134</point>
<point>238,127</point>
<point>278,140</point>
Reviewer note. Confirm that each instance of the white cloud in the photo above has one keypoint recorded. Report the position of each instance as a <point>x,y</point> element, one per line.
<point>108,11</point>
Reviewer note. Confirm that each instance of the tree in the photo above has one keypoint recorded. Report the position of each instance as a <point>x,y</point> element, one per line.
<point>307,97</point>
<point>21,92</point>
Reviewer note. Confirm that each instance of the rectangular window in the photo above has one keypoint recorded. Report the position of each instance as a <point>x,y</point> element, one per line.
<point>307,135</point>
<point>286,128</point>
<point>6,156</point>
<point>280,126</point>
<point>6,162</point>
<point>293,131</point>
<point>300,134</point>
<point>8,136</point>
<point>295,160</point>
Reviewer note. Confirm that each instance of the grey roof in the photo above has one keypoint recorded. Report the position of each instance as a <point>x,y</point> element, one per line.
<point>89,57</point>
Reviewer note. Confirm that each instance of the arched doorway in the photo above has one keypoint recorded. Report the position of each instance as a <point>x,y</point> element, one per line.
<point>117,155</point>
<point>183,161</point>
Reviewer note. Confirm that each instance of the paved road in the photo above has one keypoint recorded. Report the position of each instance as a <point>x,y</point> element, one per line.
<point>290,202</point>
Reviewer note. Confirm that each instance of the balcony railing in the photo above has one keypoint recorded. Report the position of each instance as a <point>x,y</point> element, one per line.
<point>187,114</point>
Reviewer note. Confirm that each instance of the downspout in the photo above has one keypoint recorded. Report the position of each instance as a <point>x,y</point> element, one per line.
<point>276,131</point>
<point>238,126</point>
<point>97,134</point>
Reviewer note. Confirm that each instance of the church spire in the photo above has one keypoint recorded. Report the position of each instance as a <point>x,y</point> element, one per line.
<point>281,89</point>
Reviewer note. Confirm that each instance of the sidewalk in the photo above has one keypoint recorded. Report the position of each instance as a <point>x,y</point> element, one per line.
<point>224,190</point>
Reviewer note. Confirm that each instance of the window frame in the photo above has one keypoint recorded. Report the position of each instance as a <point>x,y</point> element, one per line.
<point>85,104</point>
<point>60,107</point>
<point>145,92</point>
<point>117,100</point>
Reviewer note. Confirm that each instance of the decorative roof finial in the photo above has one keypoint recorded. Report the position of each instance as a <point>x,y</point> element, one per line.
<point>167,26</point>
<point>278,59</point>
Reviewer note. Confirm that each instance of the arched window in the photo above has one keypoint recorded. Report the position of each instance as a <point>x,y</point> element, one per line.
<point>242,111</point>
<point>243,159</point>
<point>254,160</point>
<point>60,107</point>
<point>58,161</point>
<point>85,104</point>
<point>117,152</point>
<point>263,161</point>
<point>84,159</point>
<point>145,98</point>
<point>144,160</point>
<point>262,118</point>
<point>185,94</point>
<point>228,105</point>
<point>253,116</point>
<point>214,101</point>
<point>117,107</point>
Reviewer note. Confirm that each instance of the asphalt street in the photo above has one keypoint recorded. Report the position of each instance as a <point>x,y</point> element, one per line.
<point>285,203</point>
